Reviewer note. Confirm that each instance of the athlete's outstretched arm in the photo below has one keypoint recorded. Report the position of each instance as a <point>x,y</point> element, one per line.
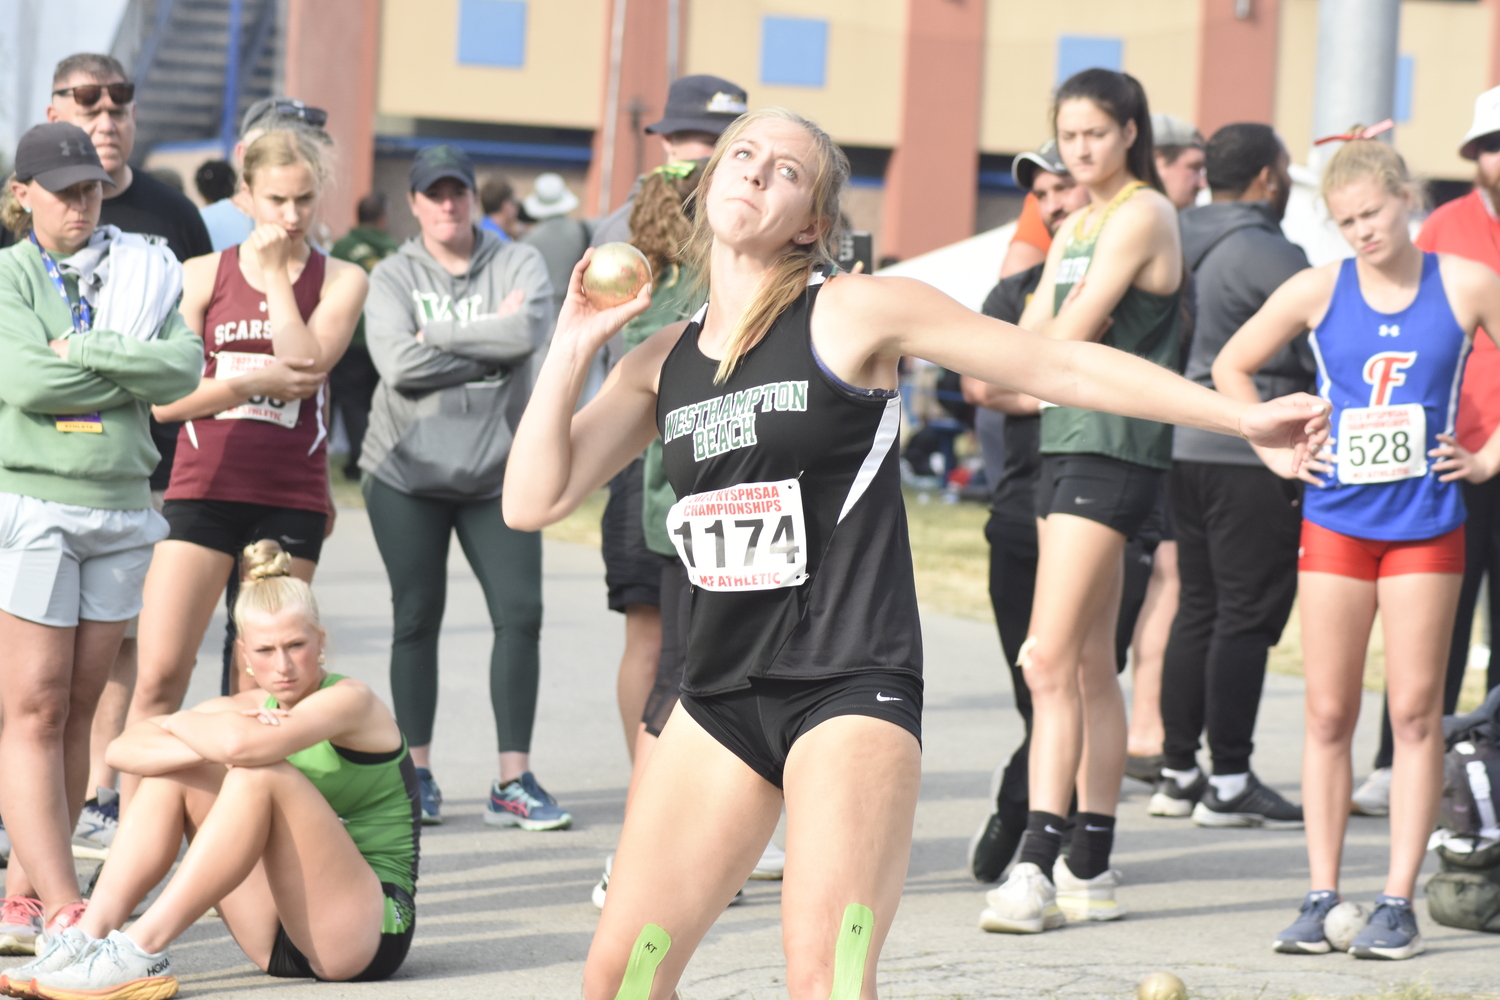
<point>894,316</point>
<point>559,457</point>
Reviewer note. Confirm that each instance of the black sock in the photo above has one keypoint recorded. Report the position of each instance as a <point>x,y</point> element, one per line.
<point>1043,840</point>
<point>1093,838</point>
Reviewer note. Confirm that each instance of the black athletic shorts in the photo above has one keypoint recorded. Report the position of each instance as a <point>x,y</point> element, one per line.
<point>1118,495</point>
<point>631,570</point>
<point>288,962</point>
<point>760,723</point>
<point>676,610</point>
<point>228,526</point>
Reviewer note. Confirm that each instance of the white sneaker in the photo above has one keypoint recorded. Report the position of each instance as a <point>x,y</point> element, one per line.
<point>60,951</point>
<point>1086,898</point>
<point>112,969</point>
<point>1373,797</point>
<point>772,864</point>
<point>1025,903</point>
<point>603,886</point>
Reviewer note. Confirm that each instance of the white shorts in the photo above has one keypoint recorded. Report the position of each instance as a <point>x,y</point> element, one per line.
<point>60,562</point>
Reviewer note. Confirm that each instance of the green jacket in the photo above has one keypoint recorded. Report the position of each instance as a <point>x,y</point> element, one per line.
<point>117,377</point>
<point>365,246</point>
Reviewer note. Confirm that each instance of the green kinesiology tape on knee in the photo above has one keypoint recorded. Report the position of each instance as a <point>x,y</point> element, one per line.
<point>849,952</point>
<point>640,972</point>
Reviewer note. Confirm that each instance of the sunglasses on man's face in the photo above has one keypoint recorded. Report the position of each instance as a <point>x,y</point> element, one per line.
<point>1489,143</point>
<point>87,94</point>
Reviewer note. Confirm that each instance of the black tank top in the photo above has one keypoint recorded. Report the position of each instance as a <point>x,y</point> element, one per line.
<point>783,415</point>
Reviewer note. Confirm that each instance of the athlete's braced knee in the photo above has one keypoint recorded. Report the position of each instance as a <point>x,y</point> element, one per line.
<point>850,952</point>
<point>640,971</point>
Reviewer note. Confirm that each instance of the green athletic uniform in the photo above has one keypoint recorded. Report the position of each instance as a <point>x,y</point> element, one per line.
<point>1145,324</point>
<point>375,797</point>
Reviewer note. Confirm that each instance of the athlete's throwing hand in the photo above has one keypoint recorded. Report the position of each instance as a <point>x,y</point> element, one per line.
<point>586,327</point>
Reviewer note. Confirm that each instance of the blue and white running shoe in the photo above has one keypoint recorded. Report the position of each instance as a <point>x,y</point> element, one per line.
<point>1391,933</point>
<point>525,803</point>
<point>1305,935</point>
<point>431,796</point>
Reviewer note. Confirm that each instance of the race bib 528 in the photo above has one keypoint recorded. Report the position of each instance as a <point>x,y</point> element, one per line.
<point>747,537</point>
<point>1382,444</point>
<point>232,364</point>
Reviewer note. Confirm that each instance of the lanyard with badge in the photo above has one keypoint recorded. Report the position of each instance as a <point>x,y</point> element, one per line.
<point>83,320</point>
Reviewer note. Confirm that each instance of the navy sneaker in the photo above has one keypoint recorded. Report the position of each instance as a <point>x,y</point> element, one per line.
<point>1305,935</point>
<point>431,796</point>
<point>525,803</point>
<point>1391,933</point>
<point>1171,799</point>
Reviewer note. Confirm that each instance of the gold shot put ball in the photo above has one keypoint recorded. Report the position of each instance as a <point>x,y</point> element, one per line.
<point>1161,986</point>
<point>615,275</point>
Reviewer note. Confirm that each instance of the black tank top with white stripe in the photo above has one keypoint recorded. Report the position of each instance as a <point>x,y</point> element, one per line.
<point>783,415</point>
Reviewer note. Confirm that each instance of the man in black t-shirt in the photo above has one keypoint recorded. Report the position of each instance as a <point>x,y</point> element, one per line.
<point>93,92</point>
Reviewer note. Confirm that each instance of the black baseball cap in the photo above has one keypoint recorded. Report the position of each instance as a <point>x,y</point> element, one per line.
<point>282,112</point>
<point>436,162</point>
<point>57,156</point>
<point>1024,167</point>
<point>700,104</point>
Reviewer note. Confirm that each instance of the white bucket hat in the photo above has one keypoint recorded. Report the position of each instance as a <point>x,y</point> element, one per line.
<point>1486,121</point>
<point>549,197</point>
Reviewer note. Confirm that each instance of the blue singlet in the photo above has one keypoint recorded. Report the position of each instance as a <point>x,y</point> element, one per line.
<point>1369,359</point>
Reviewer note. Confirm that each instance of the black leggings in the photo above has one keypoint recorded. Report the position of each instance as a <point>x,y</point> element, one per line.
<point>1481,556</point>
<point>412,534</point>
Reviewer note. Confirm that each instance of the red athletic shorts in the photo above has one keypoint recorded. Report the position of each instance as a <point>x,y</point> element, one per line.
<point>1325,551</point>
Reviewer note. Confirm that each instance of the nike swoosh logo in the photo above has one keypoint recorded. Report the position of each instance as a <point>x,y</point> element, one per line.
<point>293,541</point>
<point>1083,500</point>
<point>1050,829</point>
<point>881,697</point>
<point>1096,829</point>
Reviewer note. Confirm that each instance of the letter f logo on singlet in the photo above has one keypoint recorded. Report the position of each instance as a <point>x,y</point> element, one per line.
<point>1384,372</point>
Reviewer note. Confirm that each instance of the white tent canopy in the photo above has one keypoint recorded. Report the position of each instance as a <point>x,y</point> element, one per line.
<point>966,270</point>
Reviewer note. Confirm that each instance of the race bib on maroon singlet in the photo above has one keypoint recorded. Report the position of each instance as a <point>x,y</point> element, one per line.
<point>746,537</point>
<point>232,364</point>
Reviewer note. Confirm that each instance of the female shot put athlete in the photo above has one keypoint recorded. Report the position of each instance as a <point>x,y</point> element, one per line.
<point>778,414</point>
<point>1383,516</point>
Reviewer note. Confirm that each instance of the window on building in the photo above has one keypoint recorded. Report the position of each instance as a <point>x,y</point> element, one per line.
<point>1406,68</point>
<point>793,51</point>
<point>492,33</point>
<point>1076,53</point>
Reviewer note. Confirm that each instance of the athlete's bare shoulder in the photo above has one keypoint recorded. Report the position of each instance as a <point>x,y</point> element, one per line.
<point>642,365</point>
<point>1307,294</point>
<point>197,268</point>
<point>1465,273</point>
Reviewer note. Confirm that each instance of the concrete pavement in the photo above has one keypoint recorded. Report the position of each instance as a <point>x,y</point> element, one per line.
<point>503,913</point>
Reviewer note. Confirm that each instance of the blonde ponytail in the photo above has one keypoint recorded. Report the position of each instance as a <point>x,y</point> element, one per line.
<point>789,276</point>
<point>268,586</point>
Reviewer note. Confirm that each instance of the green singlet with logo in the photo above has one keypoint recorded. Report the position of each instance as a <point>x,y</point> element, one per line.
<point>1146,325</point>
<point>375,797</point>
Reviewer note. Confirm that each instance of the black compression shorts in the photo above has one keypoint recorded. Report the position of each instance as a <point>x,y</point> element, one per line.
<point>760,723</point>
<point>288,962</point>
<point>631,570</point>
<point>228,526</point>
<point>1116,494</point>
<point>676,611</point>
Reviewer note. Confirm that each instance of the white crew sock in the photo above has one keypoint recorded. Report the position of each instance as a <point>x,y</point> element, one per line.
<point>1228,786</point>
<point>1183,778</point>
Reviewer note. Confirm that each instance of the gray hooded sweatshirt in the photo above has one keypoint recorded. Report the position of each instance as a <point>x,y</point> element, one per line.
<point>1238,257</point>
<point>445,410</point>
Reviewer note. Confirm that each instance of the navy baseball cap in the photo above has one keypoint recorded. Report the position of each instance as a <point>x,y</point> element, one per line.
<point>436,162</point>
<point>700,104</point>
<point>58,155</point>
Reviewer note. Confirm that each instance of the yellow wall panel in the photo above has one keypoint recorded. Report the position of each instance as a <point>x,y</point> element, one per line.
<point>1296,75</point>
<point>1449,43</point>
<point>1160,48</point>
<point>859,103</point>
<point>559,86</point>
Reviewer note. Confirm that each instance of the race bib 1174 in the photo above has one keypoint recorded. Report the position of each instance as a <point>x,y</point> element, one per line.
<point>747,537</point>
<point>232,364</point>
<point>1382,444</point>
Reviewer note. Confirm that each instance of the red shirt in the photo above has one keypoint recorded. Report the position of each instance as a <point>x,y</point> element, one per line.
<point>265,451</point>
<point>1464,227</point>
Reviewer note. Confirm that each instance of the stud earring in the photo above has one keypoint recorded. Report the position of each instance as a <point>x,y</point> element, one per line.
<point>249,672</point>
<point>322,657</point>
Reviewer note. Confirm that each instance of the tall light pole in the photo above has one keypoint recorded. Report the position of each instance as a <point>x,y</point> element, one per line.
<point>1356,82</point>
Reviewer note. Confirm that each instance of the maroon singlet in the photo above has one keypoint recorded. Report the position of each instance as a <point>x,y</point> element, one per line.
<point>253,453</point>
